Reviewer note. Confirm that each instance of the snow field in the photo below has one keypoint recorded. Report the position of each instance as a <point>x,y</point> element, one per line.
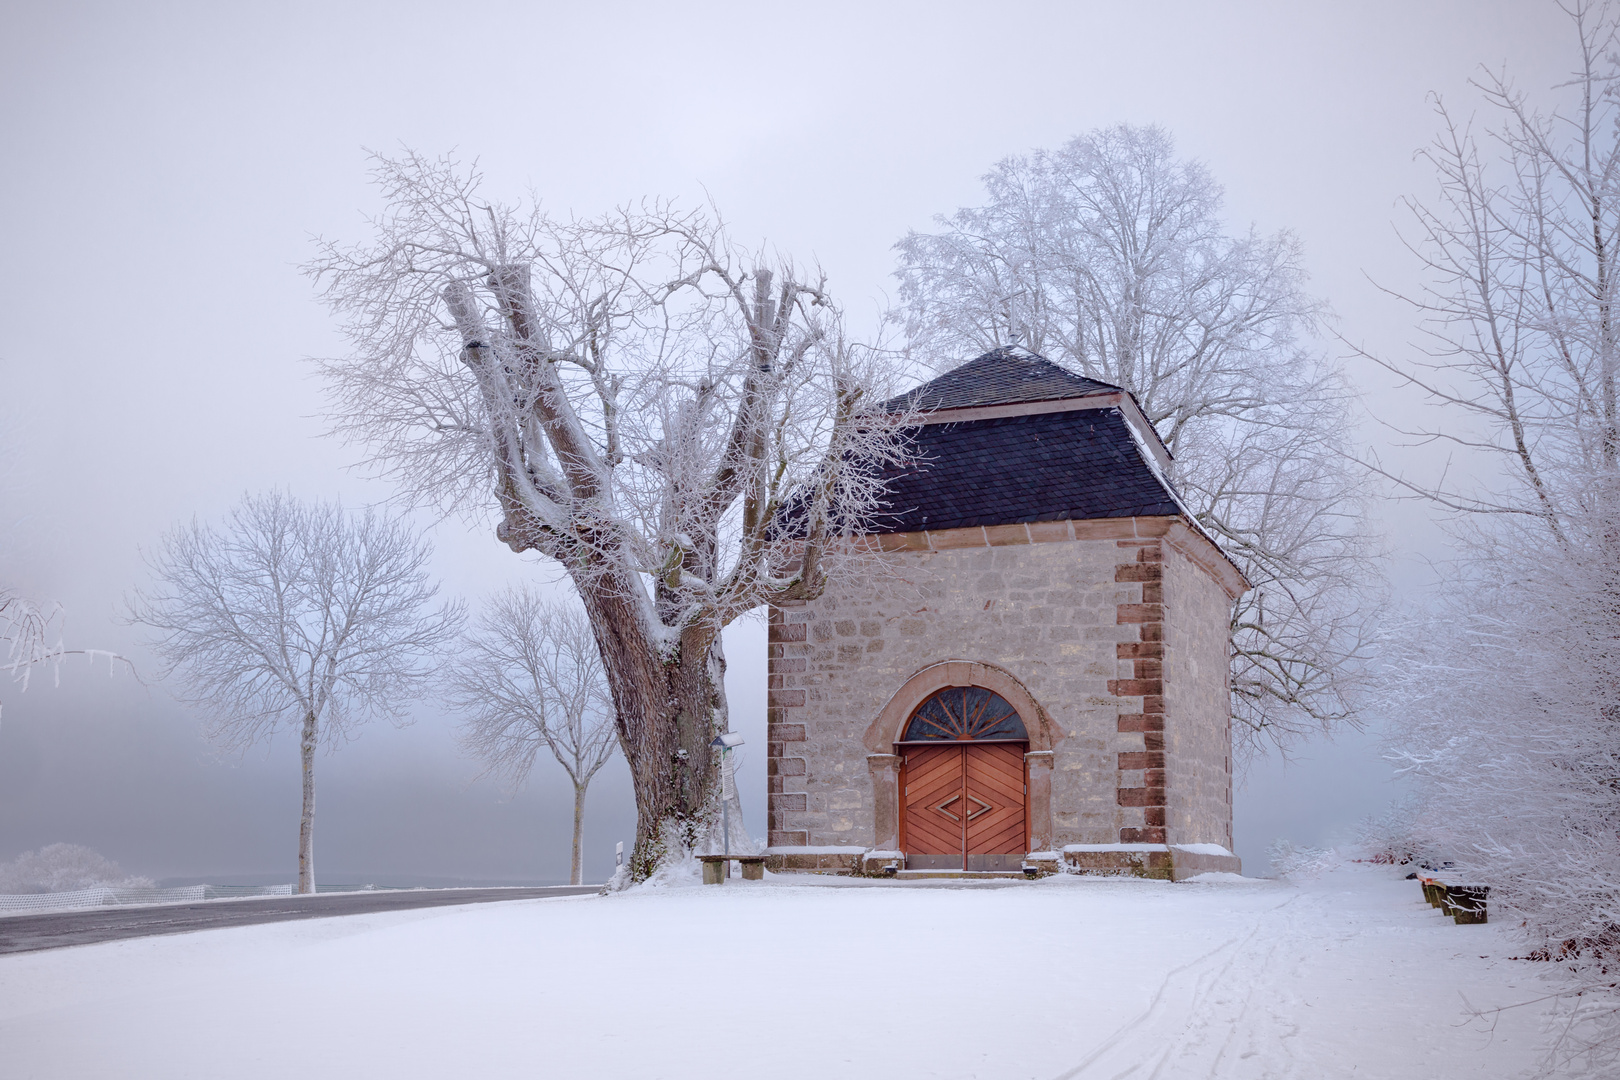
<point>1350,974</point>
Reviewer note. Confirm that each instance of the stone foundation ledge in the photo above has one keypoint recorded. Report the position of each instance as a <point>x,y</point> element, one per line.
<point>816,860</point>
<point>1165,862</point>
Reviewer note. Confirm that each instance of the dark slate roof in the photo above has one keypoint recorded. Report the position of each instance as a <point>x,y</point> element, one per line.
<point>1002,376</point>
<point>1007,470</point>
<point>1071,465</point>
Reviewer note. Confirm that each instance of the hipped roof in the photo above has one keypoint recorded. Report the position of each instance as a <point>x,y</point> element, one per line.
<point>1028,465</point>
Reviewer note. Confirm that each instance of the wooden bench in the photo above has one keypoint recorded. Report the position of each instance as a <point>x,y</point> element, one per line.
<point>716,868</point>
<point>1464,903</point>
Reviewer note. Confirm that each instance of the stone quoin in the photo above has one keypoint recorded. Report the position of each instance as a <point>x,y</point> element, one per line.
<point>1038,671</point>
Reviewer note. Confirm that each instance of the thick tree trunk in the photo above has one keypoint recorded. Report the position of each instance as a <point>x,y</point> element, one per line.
<point>668,712</point>
<point>306,827</point>
<point>673,771</point>
<point>576,872</point>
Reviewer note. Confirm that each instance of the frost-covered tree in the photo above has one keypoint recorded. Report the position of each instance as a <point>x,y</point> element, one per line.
<point>1108,256</point>
<point>529,676</point>
<point>300,615</point>
<point>636,397</point>
<point>1506,695</point>
<point>1504,702</point>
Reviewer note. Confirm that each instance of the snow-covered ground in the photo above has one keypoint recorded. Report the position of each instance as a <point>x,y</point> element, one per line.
<point>1347,974</point>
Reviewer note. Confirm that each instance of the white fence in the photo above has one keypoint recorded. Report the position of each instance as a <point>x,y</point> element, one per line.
<point>104,896</point>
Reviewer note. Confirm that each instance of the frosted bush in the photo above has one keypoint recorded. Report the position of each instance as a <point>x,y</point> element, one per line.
<point>1289,860</point>
<point>64,868</point>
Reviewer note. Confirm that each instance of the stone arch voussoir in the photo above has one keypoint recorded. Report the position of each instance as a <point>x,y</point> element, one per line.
<point>885,731</point>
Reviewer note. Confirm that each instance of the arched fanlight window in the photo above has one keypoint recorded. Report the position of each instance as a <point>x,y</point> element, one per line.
<point>965,713</point>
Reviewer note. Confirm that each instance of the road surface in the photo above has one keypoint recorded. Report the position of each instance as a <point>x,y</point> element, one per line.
<point>58,929</point>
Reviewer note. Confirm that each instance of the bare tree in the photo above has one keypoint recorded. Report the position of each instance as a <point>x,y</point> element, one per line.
<point>1519,313</point>
<point>1108,256</point>
<point>1505,692</point>
<point>642,396</point>
<point>530,676</point>
<point>295,614</point>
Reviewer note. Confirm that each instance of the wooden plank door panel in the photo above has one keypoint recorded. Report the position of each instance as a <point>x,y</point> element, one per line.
<point>933,800</point>
<point>993,779</point>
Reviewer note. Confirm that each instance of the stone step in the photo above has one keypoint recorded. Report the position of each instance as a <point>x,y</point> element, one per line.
<point>974,875</point>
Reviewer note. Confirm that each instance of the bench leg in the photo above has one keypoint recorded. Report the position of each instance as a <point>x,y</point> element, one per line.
<point>753,871</point>
<point>714,873</point>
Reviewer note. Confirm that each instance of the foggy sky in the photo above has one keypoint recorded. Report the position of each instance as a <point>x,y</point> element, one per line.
<point>166,166</point>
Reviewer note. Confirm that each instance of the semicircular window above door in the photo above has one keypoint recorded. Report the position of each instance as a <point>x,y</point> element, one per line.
<point>965,713</point>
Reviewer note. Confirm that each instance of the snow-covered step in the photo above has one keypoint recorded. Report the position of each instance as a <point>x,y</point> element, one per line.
<point>919,875</point>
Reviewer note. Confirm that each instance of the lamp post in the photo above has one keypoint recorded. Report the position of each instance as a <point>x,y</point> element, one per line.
<point>725,743</point>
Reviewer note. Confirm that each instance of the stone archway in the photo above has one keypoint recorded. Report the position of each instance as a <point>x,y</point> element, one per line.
<point>885,731</point>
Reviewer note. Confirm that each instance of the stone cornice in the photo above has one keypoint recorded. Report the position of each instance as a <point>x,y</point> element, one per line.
<point>1182,536</point>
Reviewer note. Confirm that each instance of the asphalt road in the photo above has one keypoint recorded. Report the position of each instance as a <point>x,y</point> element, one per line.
<point>59,929</point>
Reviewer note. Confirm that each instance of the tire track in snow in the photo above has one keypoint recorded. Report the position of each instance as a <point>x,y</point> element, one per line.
<point>1176,1006</point>
<point>1262,1019</point>
<point>1156,1005</point>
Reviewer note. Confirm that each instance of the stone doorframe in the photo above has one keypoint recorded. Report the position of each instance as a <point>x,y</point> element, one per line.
<point>884,732</point>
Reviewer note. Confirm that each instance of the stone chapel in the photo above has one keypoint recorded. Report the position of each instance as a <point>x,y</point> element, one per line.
<point>1051,684</point>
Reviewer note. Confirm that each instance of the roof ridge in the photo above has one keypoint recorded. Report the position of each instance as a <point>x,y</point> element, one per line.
<point>1010,374</point>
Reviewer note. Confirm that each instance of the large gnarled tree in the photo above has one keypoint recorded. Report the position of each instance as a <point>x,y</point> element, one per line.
<point>637,397</point>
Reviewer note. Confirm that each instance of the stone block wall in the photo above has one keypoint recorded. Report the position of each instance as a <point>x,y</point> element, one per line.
<point>1198,735</point>
<point>1074,611</point>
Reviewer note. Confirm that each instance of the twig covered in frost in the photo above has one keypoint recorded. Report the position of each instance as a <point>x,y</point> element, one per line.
<point>27,629</point>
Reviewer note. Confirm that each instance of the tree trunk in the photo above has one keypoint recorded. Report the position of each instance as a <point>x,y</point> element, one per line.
<point>673,771</point>
<point>576,872</point>
<point>668,712</point>
<point>306,827</point>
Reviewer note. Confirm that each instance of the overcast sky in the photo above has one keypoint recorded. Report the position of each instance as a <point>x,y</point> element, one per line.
<point>166,166</point>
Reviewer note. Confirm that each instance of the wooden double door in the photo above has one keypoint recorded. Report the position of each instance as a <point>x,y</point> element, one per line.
<point>963,806</point>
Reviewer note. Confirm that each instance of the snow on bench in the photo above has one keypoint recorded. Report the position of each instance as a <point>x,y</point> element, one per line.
<point>1465,903</point>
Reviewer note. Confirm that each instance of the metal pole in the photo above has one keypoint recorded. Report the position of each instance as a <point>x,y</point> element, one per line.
<point>725,811</point>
